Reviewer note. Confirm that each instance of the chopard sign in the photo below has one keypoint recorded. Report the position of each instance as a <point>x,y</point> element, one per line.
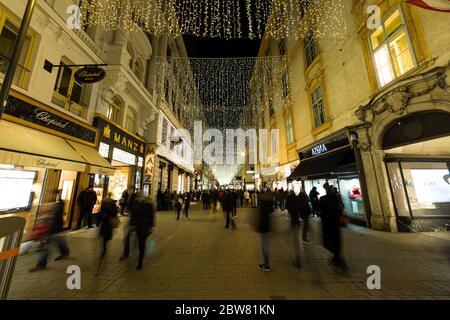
<point>47,118</point>
<point>90,75</point>
<point>46,164</point>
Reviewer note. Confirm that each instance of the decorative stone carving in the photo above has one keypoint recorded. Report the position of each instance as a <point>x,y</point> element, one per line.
<point>394,101</point>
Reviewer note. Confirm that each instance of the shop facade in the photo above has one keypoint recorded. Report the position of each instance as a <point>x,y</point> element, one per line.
<point>126,152</point>
<point>43,151</point>
<point>169,161</point>
<point>404,139</point>
<point>333,161</point>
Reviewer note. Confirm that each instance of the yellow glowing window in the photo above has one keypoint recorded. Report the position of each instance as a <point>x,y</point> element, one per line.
<point>391,50</point>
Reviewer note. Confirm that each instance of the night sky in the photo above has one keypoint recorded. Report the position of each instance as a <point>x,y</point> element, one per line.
<point>221,48</point>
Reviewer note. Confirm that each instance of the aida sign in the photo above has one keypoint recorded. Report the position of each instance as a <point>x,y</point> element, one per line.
<point>90,75</point>
<point>321,148</point>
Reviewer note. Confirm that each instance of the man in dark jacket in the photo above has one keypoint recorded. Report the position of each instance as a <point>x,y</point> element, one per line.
<point>86,201</point>
<point>293,207</point>
<point>145,221</point>
<point>305,212</point>
<point>314,198</point>
<point>227,205</point>
<point>266,207</point>
<point>331,209</point>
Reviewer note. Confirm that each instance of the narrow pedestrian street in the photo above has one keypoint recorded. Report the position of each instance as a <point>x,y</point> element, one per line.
<point>199,259</point>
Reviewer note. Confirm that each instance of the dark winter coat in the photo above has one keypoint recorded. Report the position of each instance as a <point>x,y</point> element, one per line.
<point>87,200</point>
<point>145,217</point>
<point>265,211</point>
<point>108,210</point>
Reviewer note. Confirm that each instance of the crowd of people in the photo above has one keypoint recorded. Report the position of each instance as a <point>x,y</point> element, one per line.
<point>300,207</point>
<point>142,218</point>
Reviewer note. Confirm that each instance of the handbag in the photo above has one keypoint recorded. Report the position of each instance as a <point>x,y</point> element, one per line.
<point>114,222</point>
<point>150,245</point>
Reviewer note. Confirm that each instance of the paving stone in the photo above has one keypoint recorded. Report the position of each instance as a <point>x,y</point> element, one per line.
<point>199,259</point>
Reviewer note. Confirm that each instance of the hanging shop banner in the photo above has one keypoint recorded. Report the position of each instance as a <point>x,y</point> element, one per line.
<point>116,138</point>
<point>28,112</point>
<point>149,165</point>
<point>90,75</point>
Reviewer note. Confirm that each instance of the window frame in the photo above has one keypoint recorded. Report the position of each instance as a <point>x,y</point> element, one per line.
<point>118,107</point>
<point>69,104</point>
<point>308,46</point>
<point>324,107</point>
<point>25,70</point>
<point>133,120</point>
<point>388,39</point>
<point>289,124</point>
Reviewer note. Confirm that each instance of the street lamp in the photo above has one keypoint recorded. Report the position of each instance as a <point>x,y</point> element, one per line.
<point>14,61</point>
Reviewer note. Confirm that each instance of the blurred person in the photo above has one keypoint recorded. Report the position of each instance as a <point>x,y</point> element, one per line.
<point>265,211</point>
<point>130,227</point>
<point>234,200</point>
<point>293,208</point>
<point>305,212</point>
<point>227,206</point>
<point>109,221</point>
<point>186,205</point>
<point>123,202</point>
<point>53,224</point>
<point>205,200</point>
<point>144,220</point>
<point>246,198</point>
<point>314,199</point>
<point>331,209</point>
<point>86,201</point>
<point>215,197</point>
<point>178,204</point>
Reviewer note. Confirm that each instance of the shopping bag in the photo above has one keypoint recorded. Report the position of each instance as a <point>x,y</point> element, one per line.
<point>150,246</point>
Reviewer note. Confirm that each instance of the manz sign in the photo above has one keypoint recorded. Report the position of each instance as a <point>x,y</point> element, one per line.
<point>90,75</point>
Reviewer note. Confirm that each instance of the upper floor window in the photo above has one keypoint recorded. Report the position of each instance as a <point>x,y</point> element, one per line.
<point>69,93</point>
<point>114,110</point>
<point>282,47</point>
<point>285,85</point>
<point>131,120</point>
<point>391,49</point>
<point>289,130</point>
<point>310,48</point>
<point>318,107</point>
<point>8,36</point>
<point>271,107</point>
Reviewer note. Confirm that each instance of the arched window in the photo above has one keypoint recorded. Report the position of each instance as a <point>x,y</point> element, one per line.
<point>131,120</point>
<point>115,109</point>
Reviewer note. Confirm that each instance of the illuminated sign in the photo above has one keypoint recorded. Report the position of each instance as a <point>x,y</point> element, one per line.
<point>104,150</point>
<point>321,148</point>
<point>90,75</point>
<point>124,157</point>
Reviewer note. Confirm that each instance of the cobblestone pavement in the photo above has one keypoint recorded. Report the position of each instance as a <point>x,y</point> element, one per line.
<point>200,259</point>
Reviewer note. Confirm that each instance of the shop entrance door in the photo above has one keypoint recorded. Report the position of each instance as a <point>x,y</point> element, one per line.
<point>67,183</point>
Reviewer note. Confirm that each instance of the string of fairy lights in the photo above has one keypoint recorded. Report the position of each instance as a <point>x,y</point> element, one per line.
<point>228,19</point>
<point>225,92</point>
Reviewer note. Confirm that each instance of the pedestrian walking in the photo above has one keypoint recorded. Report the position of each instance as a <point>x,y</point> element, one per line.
<point>215,197</point>
<point>314,198</point>
<point>53,225</point>
<point>247,198</point>
<point>86,201</point>
<point>109,221</point>
<point>145,221</point>
<point>123,202</point>
<point>305,212</point>
<point>265,212</point>
<point>293,208</point>
<point>331,209</point>
<point>186,205</point>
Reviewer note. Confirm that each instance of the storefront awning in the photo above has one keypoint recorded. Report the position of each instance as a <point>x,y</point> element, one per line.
<point>23,146</point>
<point>97,164</point>
<point>336,162</point>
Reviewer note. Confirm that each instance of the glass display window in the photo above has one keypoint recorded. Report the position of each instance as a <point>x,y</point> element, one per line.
<point>67,184</point>
<point>420,188</point>
<point>352,196</point>
<point>119,182</point>
<point>16,188</point>
<point>99,187</point>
